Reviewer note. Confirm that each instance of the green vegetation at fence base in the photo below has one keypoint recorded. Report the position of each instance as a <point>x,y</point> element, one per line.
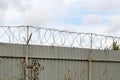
<point>115,46</point>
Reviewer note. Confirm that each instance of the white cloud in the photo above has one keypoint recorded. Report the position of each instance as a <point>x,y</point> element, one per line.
<point>114,24</point>
<point>91,19</point>
<point>99,29</point>
<point>44,12</point>
<point>72,2</point>
<point>102,5</point>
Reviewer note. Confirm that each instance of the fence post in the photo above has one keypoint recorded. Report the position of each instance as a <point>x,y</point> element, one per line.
<point>26,54</point>
<point>28,37</point>
<point>90,58</point>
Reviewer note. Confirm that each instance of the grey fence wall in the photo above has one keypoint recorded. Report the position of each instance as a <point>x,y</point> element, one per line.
<point>58,63</point>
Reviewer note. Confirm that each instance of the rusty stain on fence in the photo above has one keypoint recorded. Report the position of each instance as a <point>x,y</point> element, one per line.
<point>68,75</point>
<point>22,70</point>
<point>74,75</point>
<point>82,72</point>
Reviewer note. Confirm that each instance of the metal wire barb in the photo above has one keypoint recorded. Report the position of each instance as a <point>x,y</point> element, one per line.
<point>53,37</point>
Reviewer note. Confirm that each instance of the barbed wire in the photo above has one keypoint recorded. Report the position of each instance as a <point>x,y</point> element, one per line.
<point>53,37</point>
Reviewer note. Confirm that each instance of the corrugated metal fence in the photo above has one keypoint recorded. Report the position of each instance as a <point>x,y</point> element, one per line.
<point>58,63</point>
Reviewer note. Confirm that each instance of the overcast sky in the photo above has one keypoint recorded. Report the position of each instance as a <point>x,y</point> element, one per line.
<point>96,16</point>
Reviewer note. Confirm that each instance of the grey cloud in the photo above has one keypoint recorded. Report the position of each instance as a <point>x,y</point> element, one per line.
<point>20,5</point>
<point>3,8</point>
<point>2,17</point>
<point>113,29</point>
<point>36,16</point>
<point>3,4</point>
